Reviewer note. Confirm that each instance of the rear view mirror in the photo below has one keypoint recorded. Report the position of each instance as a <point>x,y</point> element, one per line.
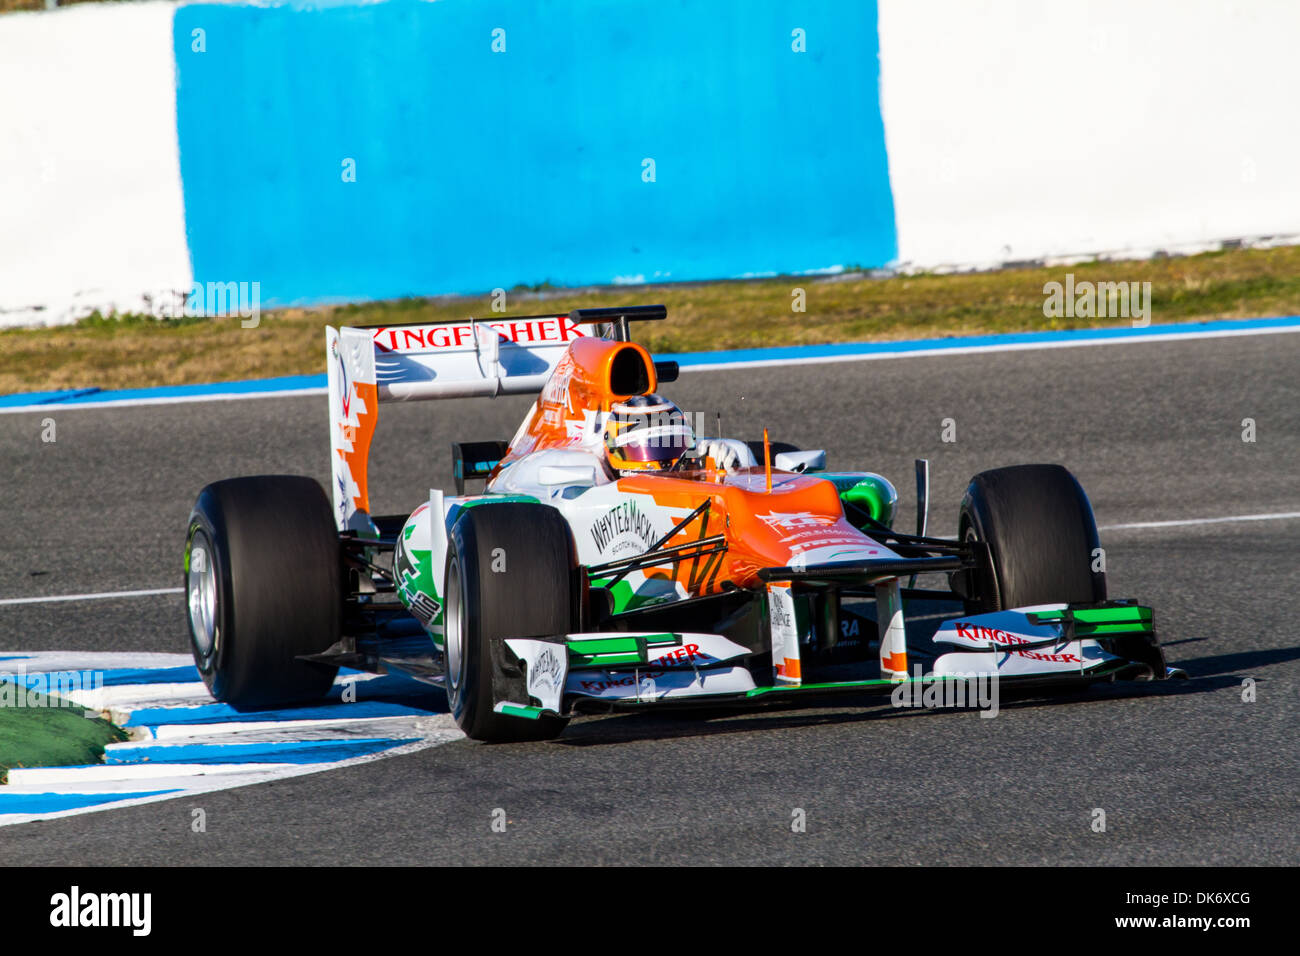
<point>800,461</point>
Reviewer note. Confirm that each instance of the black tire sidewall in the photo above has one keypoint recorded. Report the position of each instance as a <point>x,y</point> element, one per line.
<point>279,589</point>
<point>465,698</point>
<point>1041,535</point>
<point>538,582</point>
<point>209,667</point>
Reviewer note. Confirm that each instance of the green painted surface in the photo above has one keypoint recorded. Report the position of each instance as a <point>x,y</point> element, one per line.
<point>495,500</point>
<point>1094,630</point>
<point>605,645</point>
<point>36,732</point>
<point>626,598</point>
<point>871,493</point>
<point>520,710</point>
<point>1113,615</point>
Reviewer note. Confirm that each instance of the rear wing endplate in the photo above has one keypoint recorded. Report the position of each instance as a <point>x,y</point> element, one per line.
<point>475,358</point>
<point>369,365</point>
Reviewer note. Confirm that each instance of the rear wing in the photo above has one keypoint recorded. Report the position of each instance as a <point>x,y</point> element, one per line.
<point>369,365</point>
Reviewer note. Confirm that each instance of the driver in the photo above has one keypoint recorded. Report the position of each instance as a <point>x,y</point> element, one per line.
<point>649,433</point>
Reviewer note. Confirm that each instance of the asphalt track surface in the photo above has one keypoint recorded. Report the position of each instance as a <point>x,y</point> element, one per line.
<point>1187,772</point>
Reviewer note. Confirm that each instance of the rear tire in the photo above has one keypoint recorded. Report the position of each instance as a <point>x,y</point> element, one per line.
<point>263,581</point>
<point>511,572</point>
<point>1041,537</point>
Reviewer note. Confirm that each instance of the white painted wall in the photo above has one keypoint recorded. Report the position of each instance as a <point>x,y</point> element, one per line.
<point>1017,129</point>
<point>90,189</point>
<point>1024,129</point>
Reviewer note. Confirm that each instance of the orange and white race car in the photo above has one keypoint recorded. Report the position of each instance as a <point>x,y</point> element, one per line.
<point>615,557</point>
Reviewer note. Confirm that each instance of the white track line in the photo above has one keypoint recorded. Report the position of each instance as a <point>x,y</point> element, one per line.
<point>1182,522</point>
<point>34,662</point>
<point>722,364</point>
<point>1278,516</point>
<point>102,596</point>
<point>170,732</point>
<point>166,400</point>
<point>191,786</point>
<point>140,696</point>
<point>153,777</point>
<point>940,351</point>
<point>77,776</point>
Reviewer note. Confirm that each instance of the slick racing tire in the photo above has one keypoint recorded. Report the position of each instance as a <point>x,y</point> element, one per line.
<point>511,572</point>
<point>1041,539</point>
<point>263,584</point>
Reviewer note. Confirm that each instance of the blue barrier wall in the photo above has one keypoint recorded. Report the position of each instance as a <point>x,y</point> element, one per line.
<point>477,169</point>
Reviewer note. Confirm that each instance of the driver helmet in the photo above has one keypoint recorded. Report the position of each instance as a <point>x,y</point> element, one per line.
<point>646,433</point>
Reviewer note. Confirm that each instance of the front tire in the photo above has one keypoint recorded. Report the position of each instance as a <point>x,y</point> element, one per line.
<point>1041,538</point>
<point>511,572</point>
<point>263,584</point>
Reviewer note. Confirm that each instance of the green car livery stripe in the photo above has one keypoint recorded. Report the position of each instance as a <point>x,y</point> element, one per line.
<point>1113,615</point>
<point>610,651</point>
<point>1094,630</point>
<point>625,596</point>
<point>1099,621</point>
<point>519,710</point>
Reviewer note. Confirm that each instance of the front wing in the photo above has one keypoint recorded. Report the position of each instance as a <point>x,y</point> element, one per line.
<point>1039,646</point>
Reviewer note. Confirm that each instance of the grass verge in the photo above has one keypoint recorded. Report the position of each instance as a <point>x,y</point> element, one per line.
<point>138,351</point>
<point>41,731</point>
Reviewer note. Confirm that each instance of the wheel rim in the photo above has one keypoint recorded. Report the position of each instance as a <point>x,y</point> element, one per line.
<point>201,589</point>
<point>453,631</point>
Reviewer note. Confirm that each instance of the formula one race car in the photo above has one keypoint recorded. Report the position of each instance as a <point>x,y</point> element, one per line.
<point>616,559</point>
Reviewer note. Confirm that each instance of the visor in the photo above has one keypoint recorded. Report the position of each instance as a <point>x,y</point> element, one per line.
<point>659,443</point>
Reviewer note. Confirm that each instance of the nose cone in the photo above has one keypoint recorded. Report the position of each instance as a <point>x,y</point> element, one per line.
<point>801,516</point>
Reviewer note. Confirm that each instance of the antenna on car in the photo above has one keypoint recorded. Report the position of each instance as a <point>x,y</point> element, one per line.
<point>767,459</point>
